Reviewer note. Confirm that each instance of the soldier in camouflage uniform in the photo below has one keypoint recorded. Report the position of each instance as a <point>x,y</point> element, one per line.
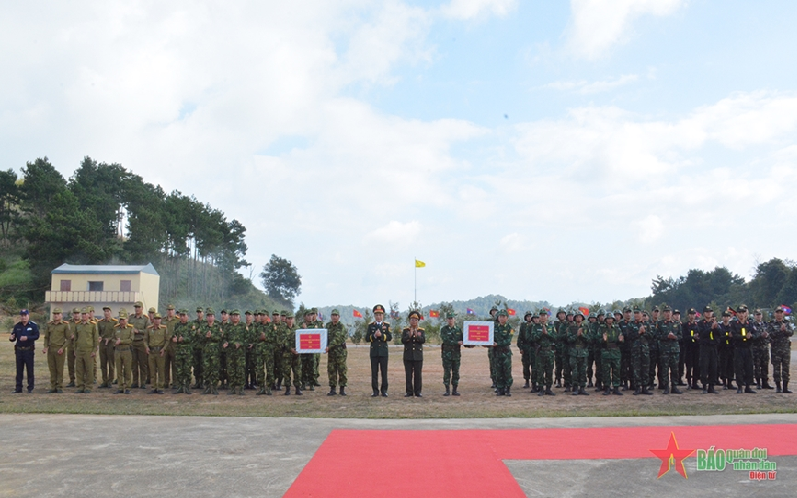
<point>184,333</point>
<point>653,345</point>
<point>171,365</point>
<point>577,336</point>
<point>502,341</point>
<point>211,336</point>
<point>761,352</point>
<point>268,342</point>
<point>611,339</point>
<point>595,346</point>
<point>235,346</point>
<point>559,358</point>
<point>308,359</point>
<point>291,361</point>
<point>196,352</point>
<point>543,336</point>
<point>450,351</point>
<point>123,334</point>
<point>668,332</point>
<point>640,352</point>
<point>252,332</point>
<point>316,356</point>
<point>105,328</point>
<point>223,377</point>
<point>491,351</point>
<point>278,324</point>
<point>337,370</point>
<point>779,332</point>
<point>525,347</point>
<point>592,319</point>
<point>626,371</point>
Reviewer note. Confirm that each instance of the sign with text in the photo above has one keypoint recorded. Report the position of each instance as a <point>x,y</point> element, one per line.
<point>311,340</point>
<point>477,333</point>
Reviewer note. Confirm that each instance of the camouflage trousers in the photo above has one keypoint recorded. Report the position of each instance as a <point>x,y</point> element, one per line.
<point>197,363</point>
<point>251,364</point>
<point>277,364</point>
<point>451,362</point>
<point>223,377</point>
<point>669,367</point>
<point>503,367</point>
<point>265,366</point>
<point>337,371</point>
<point>781,359</point>
<point>492,364</point>
<point>183,356</point>
<point>559,363</point>
<point>291,363</point>
<point>640,364</point>
<point>610,361</point>
<point>626,368</point>
<point>308,366</point>
<point>590,363</point>
<point>211,364</point>
<point>316,363</point>
<point>236,366</point>
<point>525,360</point>
<point>596,354</point>
<point>567,372</point>
<point>761,363</point>
<point>578,367</point>
<point>545,363</point>
<point>654,372</point>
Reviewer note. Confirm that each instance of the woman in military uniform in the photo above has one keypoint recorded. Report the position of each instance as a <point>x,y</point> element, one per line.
<point>413,338</point>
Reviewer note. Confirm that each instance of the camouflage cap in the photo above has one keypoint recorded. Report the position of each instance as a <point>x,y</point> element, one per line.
<point>156,316</point>
<point>284,313</point>
<point>379,309</point>
<point>183,311</point>
<point>223,311</point>
<point>138,304</point>
<point>289,314</point>
<point>152,310</point>
<point>450,316</point>
<point>275,313</point>
<point>57,310</point>
<point>627,309</point>
<point>537,315</point>
<point>247,312</point>
<point>199,309</point>
<point>542,313</point>
<point>170,307</point>
<point>314,310</point>
<point>503,313</point>
<point>235,312</point>
<point>209,311</point>
<point>308,312</point>
<point>335,312</point>
<point>75,311</point>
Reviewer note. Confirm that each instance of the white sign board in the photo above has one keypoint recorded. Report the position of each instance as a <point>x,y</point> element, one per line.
<point>311,340</point>
<point>478,333</point>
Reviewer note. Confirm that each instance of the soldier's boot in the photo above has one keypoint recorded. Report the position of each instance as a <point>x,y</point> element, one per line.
<point>534,387</point>
<point>711,389</point>
<point>575,391</point>
<point>448,390</point>
<point>312,387</point>
<point>590,384</point>
<point>180,390</point>
<point>526,385</point>
<point>332,391</point>
<point>749,390</point>
<point>342,391</point>
<point>637,391</point>
<point>567,389</point>
<point>786,388</point>
<point>549,392</point>
<point>507,393</point>
<point>454,391</point>
<point>287,390</point>
<point>207,390</point>
<point>582,391</point>
<point>299,392</point>
<point>231,391</point>
<point>541,392</point>
<point>262,390</point>
<point>705,388</point>
<point>645,390</point>
<point>739,389</point>
<point>499,392</point>
<point>675,390</point>
<point>558,383</point>
<point>617,392</point>
<point>778,390</point>
<point>766,385</point>
<point>607,391</point>
<point>278,387</point>
<point>213,390</point>
<point>187,389</point>
<point>241,391</point>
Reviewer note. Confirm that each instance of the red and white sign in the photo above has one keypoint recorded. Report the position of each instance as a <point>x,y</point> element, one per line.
<point>311,340</point>
<point>478,333</point>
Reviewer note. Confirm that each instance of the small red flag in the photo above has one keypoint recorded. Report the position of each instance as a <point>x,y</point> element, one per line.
<point>434,314</point>
<point>584,310</point>
<point>357,314</point>
<point>510,311</point>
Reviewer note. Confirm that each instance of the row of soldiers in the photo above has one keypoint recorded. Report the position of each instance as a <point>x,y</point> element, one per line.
<point>139,349</point>
<point>633,348</point>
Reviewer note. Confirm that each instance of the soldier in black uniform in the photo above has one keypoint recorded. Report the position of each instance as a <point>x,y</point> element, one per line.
<point>692,354</point>
<point>709,337</point>
<point>725,364</point>
<point>413,338</point>
<point>25,333</point>
<point>379,336</point>
<point>742,336</point>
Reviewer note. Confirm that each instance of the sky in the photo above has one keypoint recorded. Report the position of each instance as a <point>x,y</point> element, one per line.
<point>534,149</point>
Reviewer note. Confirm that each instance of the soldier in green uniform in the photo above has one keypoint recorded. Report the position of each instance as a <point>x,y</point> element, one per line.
<point>251,326</point>
<point>611,339</point>
<point>223,377</point>
<point>653,345</point>
<point>592,319</point>
<point>57,335</point>
<point>337,371</point>
<point>316,356</point>
<point>291,361</point>
<point>668,333</point>
<point>640,353</point>
<point>761,353</point>
<point>70,346</point>
<point>267,342</point>
<point>235,346</point>
<point>559,356</point>
<point>156,338</point>
<point>379,336</point>
<point>490,350</point>
<point>308,359</point>
<point>543,336</point>
<point>105,327</point>
<point>451,353</point>
<point>502,341</point>
<point>86,341</point>
<point>780,333</point>
<point>524,346</point>
<point>578,348</point>
<point>123,334</point>
<point>140,322</point>
<point>197,350</point>
<point>171,364</point>
<point>567,372</point>
<point>184,332</point>
<point>211,335</point>
<point>277,324</point>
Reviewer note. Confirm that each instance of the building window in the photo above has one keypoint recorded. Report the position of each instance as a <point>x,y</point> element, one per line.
<point>66,285</point>
<point>126,286</point>
<point>95,286</point>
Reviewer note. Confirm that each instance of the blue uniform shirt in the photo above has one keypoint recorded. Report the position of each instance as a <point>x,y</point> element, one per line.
<point>31,330</point>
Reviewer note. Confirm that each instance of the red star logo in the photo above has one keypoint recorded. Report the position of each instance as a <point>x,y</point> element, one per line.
<point>672,455</point>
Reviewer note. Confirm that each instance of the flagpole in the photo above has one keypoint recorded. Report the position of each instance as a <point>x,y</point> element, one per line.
<point>416,279</point>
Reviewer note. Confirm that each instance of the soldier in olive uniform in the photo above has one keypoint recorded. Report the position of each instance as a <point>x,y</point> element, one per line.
<point>379,336</point>
<point>450,351</point>
<point>197,350</point>
<point>308,359</point>
<point>123,333</point>
<point>156,338</point>
<point>57,334</point>
<point>316,356</point>
<point>267,343</point>
<point>223,376</point>
<point>502,352</point>
<point>252,326</point>
<point>277,324</point>
<point>780,332</point>
<point>611,339</point>
<point>524,346</point>
<point>70,347</point>
<point>592,319</point>
<point>337,370</point>
<point>490,351</point>
<point>140,322</point>
<point>171,364</point>
<point>211,335</point>
<point>578,347</point>
<point>640,353</point>
<point>86,341</point>
<point>235,346</point>
<point>105,327</point>
<point>291,360</point>
<point>595,346</point>
<point>668,332</point>
<point>184,332</point>
<point>543,336</point>
<point>413,338</point>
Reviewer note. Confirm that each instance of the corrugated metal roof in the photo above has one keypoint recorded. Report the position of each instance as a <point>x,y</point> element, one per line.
<point>106,269</point>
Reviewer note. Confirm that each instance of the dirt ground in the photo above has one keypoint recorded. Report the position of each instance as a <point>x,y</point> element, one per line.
<point>477,399</point>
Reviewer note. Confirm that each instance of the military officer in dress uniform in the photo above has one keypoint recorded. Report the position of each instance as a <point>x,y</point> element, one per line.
<point>413,338</point>
<point>379,336</point>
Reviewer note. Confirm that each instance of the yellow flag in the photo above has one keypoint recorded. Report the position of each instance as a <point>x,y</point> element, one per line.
<point>419,264</point>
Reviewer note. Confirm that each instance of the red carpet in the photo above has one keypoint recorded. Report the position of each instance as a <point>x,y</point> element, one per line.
<point>468,463</point>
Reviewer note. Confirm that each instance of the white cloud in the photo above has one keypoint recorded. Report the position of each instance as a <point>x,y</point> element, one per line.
<point>596,25</point>
<point>469,9</point>
<point>395,233</point>
<point>588,88</point>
